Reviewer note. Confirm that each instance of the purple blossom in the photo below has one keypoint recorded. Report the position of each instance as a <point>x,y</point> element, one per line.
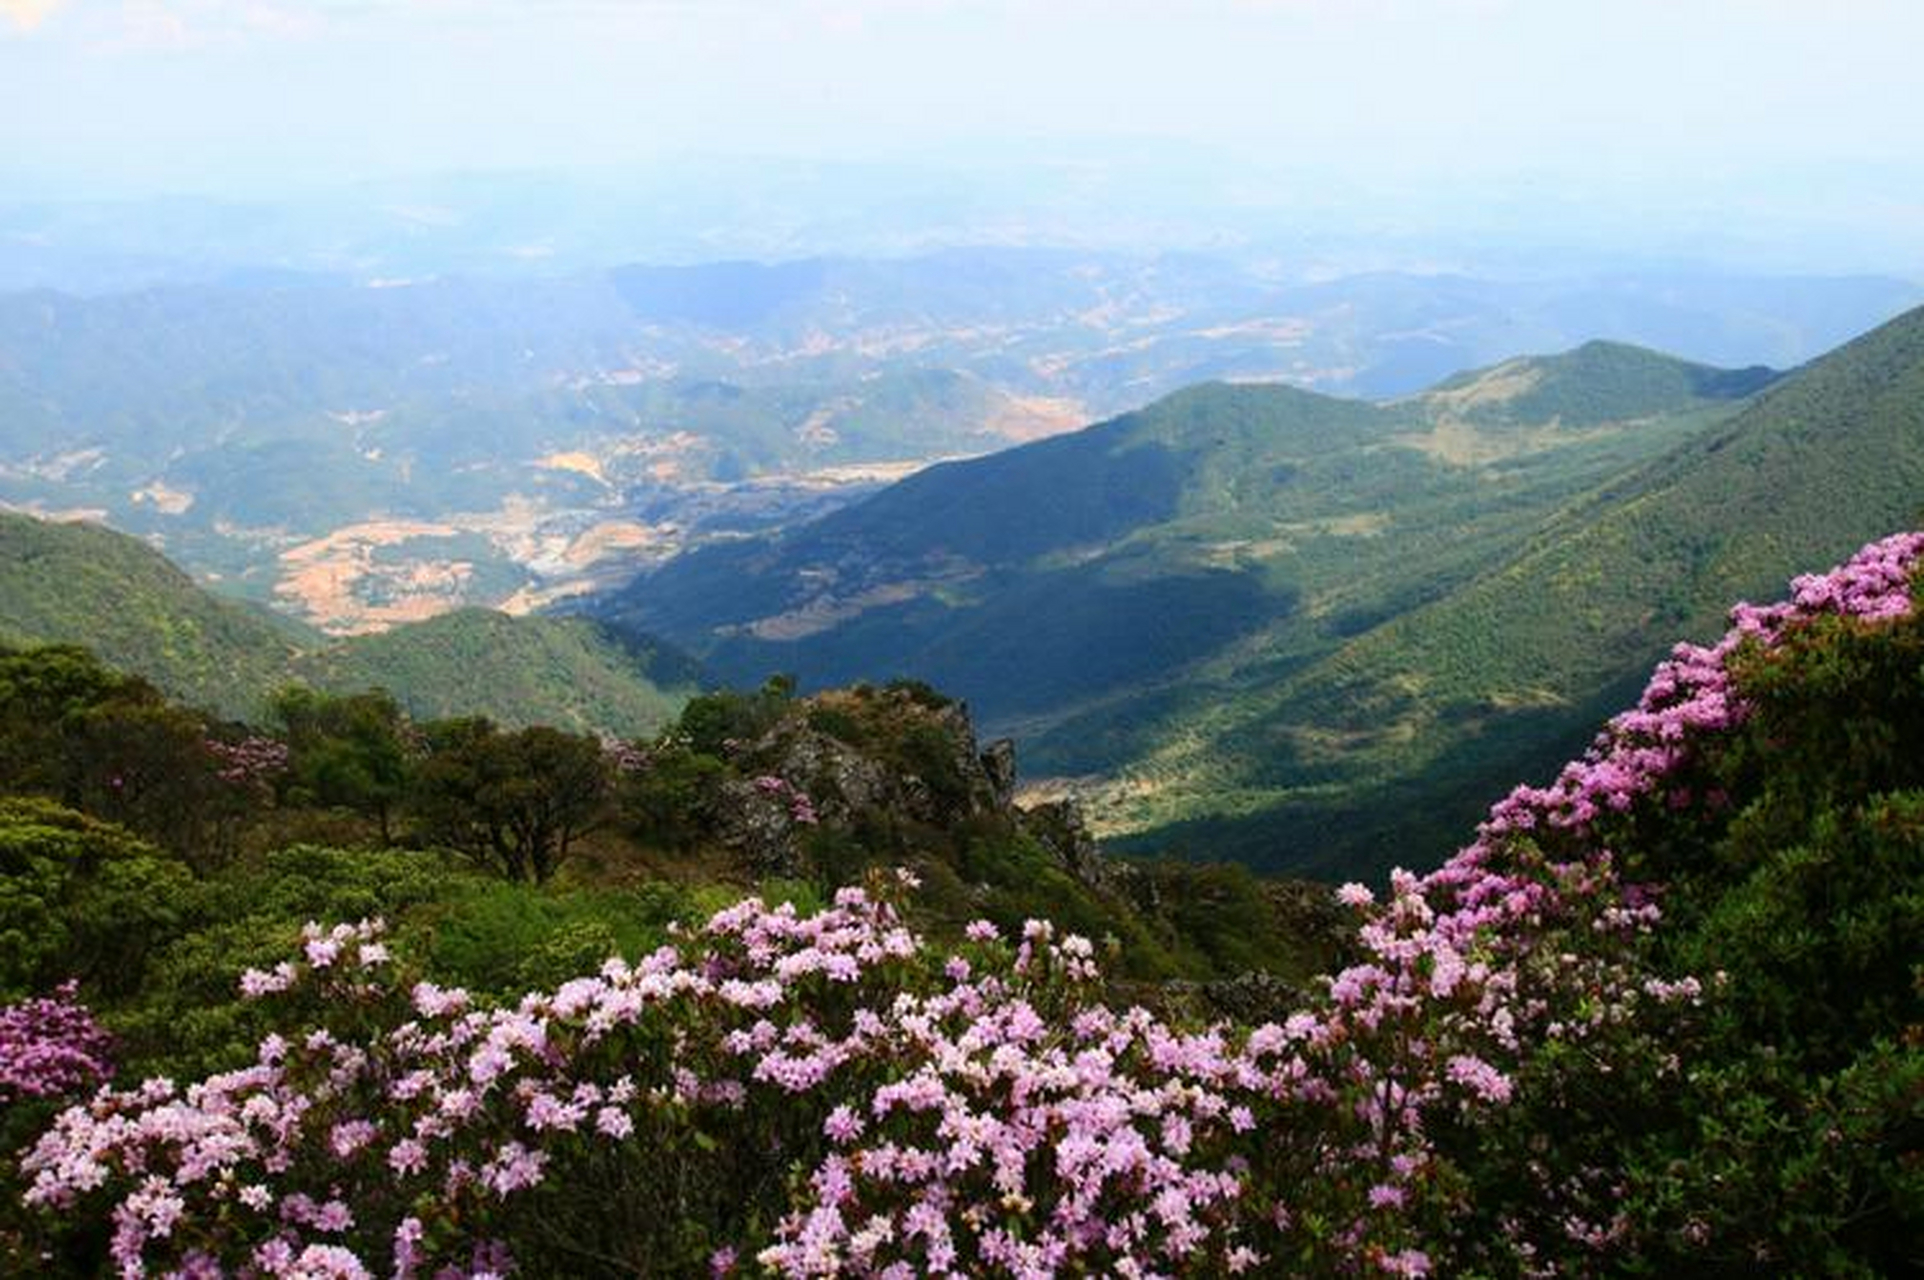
<point>51,1047</point>
<point>985,1114</point>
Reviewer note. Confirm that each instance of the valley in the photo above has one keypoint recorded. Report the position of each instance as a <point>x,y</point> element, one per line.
<point>1197,616</point>
<point>859,468</point>
<point>80,584</point>
<point>855,640</point>
<point>1315,634</point>
<point>365,451</point>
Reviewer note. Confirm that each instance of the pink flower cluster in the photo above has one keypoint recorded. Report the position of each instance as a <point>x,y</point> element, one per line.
<point>979,1111</point>
<point>1691,694</point>
<point>252,760</point>
<point>50,1047</point>
<point>801,809</point>
<point>319,1149</point>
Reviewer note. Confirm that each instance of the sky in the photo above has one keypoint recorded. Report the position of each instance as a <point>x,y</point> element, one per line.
<point>1801,110</point>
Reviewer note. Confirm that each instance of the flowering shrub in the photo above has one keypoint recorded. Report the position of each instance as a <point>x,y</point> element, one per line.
<point>50,1047</point>
<point>253,761</point>
<point>1693,694</point>
<point>51,1050</point>
<point>800,808</point>
<point>975,1112</point>
<point>829,1093</point>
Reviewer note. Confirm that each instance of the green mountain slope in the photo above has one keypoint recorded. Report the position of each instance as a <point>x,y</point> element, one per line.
<point>1101,593</point>
<point>86,584</point>
<point>79,583</point>
<point>1387,747</point>
<point>1598,382</point>
<point>570,673</point>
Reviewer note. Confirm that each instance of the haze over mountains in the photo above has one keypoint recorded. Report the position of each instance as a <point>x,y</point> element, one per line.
<point>367,450</point>
<point>1191,614</point>
<point>1315,633</point>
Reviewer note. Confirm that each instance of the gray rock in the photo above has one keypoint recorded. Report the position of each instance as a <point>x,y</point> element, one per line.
<point>998,766</point>
<point>757,826</point>
<point>1059,827</point>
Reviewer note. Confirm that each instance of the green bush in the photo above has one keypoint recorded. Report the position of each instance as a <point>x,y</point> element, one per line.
<point>711,722</point>
<point>81,899</point>
<point>669,801</point>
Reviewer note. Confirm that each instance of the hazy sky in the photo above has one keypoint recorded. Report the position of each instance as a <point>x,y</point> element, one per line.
<point>1813,105</point>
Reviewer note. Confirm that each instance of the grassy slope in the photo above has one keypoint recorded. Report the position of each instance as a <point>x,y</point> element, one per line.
<point>1386,749</point>
<point>567,672</point>
<point>1596,383</point>
<point>1097,592</point>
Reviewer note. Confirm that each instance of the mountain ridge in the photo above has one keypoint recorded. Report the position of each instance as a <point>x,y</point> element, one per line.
<point>1823,459</point>
<point>1280,540</point>
<point>1215,477</point>
<point>82,583</point>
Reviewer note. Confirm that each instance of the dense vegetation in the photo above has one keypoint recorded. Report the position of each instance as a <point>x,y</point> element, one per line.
<point>151,854</point>
<point>1421,715</point>
<point>83,584</point>
<point>1261,519</point>
<point>1315,634</point>
<point>147,839</point>
<point>1663,1016</point>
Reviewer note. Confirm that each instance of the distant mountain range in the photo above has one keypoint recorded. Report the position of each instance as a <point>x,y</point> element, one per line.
<point>1316,634</point>
<point>1096,566</point>
<point>77,583</point>
<point>1250,617</point>
<point>367,448</point>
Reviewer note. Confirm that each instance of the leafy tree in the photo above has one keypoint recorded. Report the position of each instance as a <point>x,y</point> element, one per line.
<point>667,800</point>
<point>713,721</point>
<point>81,899</point>
<point>75,730</point>
<point>516,802</point>
<point>350,751</point>
<point>146,765</point>
<point>40,689</point>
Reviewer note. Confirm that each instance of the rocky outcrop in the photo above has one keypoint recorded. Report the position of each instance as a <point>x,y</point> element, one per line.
<point>1059,827</point>
<point>833,786</point>
<point>998,765</point>
<point>1248,998</point>
<point>902,758</point>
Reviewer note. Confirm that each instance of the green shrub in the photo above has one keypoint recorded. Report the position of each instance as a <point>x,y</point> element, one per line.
<point>83,899</point>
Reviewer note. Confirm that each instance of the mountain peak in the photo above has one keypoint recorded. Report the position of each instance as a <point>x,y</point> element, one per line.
<point>1599,382</point>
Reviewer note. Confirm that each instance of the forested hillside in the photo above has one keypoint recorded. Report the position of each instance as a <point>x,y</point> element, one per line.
<point>78,583</point>
<point>1313,633</point>
<point>1664,1015</point>
<point>83,584</point>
